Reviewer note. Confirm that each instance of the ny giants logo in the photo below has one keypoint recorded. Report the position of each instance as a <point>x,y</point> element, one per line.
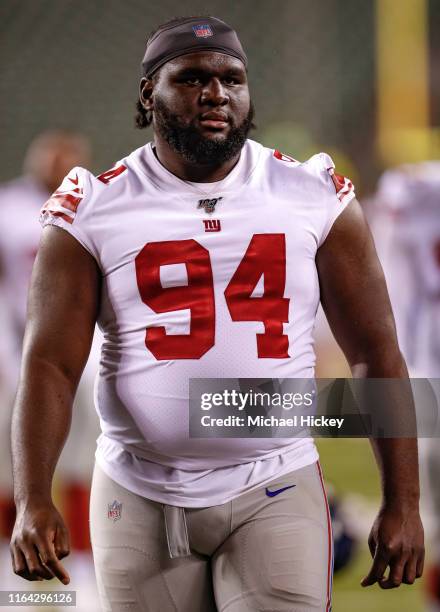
<point>212,225</point>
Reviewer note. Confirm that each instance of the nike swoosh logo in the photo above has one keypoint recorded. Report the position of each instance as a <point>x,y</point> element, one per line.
<point>278,491</point>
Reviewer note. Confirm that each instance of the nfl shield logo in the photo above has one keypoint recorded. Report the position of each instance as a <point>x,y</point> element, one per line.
<point>209,204</point>
<point>114,511</point>
<point>202,31</point>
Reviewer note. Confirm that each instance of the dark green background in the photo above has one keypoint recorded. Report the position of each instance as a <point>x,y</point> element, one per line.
<point>76,64</point>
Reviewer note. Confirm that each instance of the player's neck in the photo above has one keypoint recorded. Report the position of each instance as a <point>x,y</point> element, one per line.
<point>187,171</point>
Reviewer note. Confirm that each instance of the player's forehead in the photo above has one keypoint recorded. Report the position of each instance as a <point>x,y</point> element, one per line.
<point>209,62</point>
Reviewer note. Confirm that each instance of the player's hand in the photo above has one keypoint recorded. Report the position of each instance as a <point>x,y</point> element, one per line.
<point>39,540</point>
<point>396,541</point>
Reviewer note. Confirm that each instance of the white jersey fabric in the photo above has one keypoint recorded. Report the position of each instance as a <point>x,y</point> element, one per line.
<point>166,264</point>
<point>20,201</point>
<point>405,219</point>
<point>406,227</point>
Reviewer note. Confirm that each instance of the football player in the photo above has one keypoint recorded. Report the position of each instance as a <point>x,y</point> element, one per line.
<point>406,227</point>
<point>168,250</point>
<point>49,157</point>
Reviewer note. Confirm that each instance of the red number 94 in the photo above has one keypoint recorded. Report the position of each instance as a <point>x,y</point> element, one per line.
<point>265,256</point>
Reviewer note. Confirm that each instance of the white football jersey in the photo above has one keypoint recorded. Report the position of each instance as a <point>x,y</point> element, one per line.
<point>406,226</point>
<point>199,280</point>
<point>20,201</point>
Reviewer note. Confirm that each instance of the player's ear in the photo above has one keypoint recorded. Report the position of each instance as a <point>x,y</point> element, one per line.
<point>146,93</point>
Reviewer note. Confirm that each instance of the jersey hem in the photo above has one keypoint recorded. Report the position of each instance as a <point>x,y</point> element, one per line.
<point>187,502</point>
<point>342,206</point>
<point>49,219</point>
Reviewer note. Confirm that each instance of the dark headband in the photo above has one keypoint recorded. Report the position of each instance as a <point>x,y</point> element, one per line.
<point>190,36</point>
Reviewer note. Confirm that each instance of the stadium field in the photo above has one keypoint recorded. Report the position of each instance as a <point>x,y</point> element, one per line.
<point>349,466</point>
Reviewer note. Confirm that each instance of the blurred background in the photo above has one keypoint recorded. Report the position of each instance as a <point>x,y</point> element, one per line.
<point>359,79</point>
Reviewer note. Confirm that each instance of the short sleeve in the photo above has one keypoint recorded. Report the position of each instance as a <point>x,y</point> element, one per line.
<point>340,192</point>
<point>71,208</point>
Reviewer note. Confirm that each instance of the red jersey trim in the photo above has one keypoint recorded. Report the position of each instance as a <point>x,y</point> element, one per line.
<point>328,603</point>
<point>107,176</point>
<point>283,157</point>
<point>64,204</point>
<point>342,184</point>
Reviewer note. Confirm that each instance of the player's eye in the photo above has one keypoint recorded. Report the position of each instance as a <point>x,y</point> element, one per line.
<point>193,80</point>
<point>230,80</point>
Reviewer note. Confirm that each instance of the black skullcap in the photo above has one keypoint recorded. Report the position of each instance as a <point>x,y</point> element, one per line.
<point>190,36</point>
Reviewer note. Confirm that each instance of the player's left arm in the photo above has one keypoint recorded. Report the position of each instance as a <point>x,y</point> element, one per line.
<point>355,299</point>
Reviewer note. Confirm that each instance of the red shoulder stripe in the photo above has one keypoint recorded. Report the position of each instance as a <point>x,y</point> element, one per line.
<point>111,174</point>
<point>342,184</point>
<point>283,157</point>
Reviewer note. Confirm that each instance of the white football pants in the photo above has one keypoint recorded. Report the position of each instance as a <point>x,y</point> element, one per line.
<point>254,553</point>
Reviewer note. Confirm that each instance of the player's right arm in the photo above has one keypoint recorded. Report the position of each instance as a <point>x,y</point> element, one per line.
<point>62,310</point>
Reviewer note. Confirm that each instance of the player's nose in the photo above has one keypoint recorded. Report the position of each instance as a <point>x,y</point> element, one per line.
<point>214,93</point>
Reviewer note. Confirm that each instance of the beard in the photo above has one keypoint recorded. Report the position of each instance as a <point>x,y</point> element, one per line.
<point>189,142</point>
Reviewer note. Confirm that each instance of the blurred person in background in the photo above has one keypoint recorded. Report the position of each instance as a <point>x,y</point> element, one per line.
<point>404,216</point>
<point>49,157</point>
<point>180,523</point>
